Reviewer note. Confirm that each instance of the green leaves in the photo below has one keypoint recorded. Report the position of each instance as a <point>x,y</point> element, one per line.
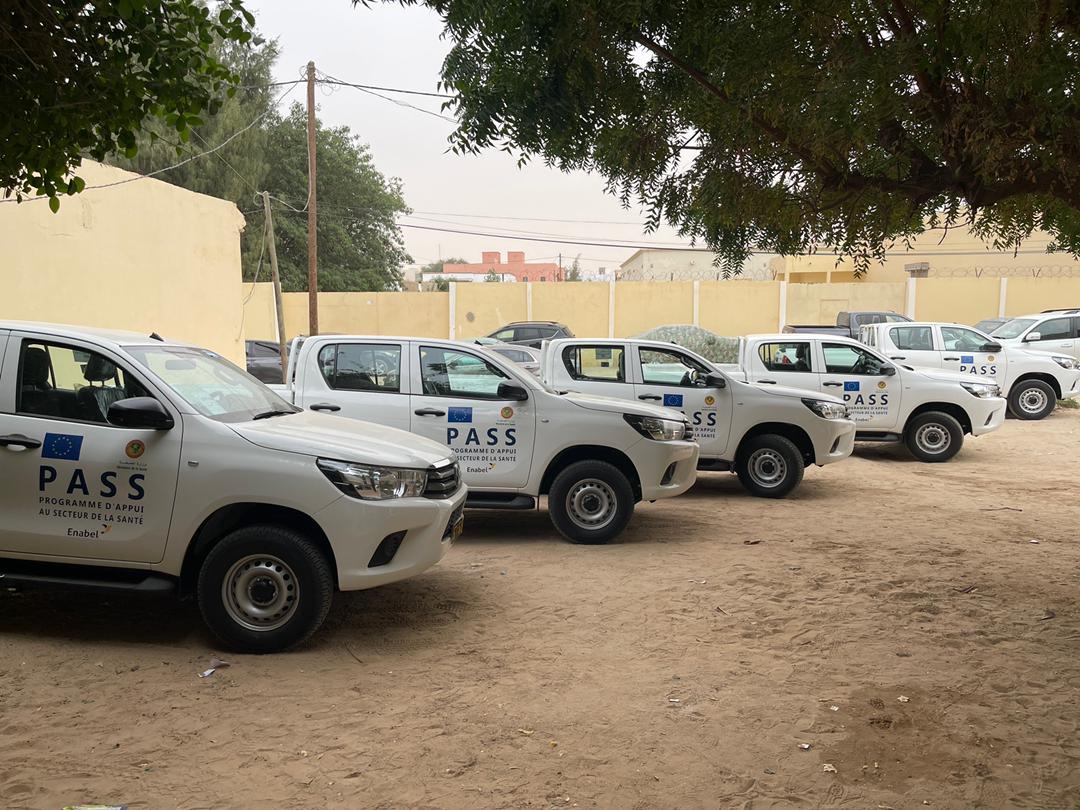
<point>90,76</point>
<point>756,125</point>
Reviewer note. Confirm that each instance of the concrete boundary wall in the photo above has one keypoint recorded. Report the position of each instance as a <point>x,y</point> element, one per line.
<point>627,308</point>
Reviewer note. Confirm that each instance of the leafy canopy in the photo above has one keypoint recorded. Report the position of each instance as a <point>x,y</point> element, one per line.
<point>792,125</point>
<point>80,78</point>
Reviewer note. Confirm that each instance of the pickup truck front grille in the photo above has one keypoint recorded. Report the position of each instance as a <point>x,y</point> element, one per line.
<point>443,481</point>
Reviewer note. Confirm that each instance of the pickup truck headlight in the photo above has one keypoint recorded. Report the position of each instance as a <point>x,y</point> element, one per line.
<point>1066,362</point>
<point>653,427</point>
<point>374,483</point>
<point>982,390</point>
<point>825,409</point>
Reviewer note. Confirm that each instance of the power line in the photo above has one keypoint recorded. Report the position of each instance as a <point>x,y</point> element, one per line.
<point>328,79</point>
<point>532,219</point>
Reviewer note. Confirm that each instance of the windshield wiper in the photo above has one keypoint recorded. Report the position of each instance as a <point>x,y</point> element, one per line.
<point>275,412</point>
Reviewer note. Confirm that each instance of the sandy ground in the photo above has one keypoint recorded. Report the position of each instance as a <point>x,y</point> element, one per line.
<point>679,668</point>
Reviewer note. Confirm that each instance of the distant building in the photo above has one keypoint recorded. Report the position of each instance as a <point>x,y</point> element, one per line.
<point>464,278</point>
<point>515,266</point>
<point>657,264</point>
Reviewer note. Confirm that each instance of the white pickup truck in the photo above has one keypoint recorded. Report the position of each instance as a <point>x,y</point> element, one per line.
<point>131,463</point>
<point>766,434</point>
<point>930,411</point>
<point>1031,381</point>
<point>594,457</point>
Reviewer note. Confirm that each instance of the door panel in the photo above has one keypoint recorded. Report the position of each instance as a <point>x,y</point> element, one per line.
<point>962,352</point>
<point>600,368</point>
<point>361,380</point>
<point>787,362</point>
<point>854,374</point>
<point>78,486</point>
<point>677,379</point>
<point>913,346</point>
<point>1056,335</point>
<point>455,401</point>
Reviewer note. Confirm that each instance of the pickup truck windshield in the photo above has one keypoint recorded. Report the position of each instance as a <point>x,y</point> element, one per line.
<point>1013,328</point>
<point>210,384</point>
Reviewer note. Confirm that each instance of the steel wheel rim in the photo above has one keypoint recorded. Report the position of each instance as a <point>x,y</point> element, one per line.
<point>1033,400</point>
<point>591,504</point>
<point>260,592</point>
<point>933,438</point>
<point>767,467</point>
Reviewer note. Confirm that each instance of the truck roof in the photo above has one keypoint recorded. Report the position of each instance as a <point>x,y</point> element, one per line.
<point>781,336</point>
<point>118,338</point>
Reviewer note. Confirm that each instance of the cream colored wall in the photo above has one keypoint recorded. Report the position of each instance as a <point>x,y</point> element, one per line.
<point>962,300</point>
<point>819,303</point>
<point>146,256</point>
<point>724,307</point>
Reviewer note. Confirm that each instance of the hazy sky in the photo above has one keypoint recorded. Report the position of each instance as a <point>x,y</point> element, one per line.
<point>391,46</point>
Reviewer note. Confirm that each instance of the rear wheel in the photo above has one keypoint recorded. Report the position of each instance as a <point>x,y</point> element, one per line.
<point>264,589</point>
<point>590,502</point>
<point>769,466</point>
<point>1032,399</point>
<point>934,436</point>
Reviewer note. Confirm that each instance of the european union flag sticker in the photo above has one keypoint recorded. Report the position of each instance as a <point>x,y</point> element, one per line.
<point>851,386</point>
<point>672,400</point>
<point>63,446</point>
<point>459,415</point>
<point>967,359</point>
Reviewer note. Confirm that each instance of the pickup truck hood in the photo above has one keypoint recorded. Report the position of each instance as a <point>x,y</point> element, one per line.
<point>944,376</point>
<point>326,436</point>
<point>796,393</point>
<point>1022,354</point>
<point>595,402</point>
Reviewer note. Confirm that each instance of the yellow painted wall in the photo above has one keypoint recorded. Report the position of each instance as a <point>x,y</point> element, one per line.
<point>583,306</point>
<point>641,305</point>
<point>963,300</point>
<point>483,308</point>
<point>146,256</point>
<point>819,303</point>
<point>1028,295</point>
<point>739,307</point>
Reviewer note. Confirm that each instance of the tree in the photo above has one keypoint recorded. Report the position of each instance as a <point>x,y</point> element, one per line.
<point>440,285</point>
<point>788,126</point>
<point>360,244</point>
<point>492,276</point>
<point>574,273</point>
<point>437,266</point>
<point>82,78</point>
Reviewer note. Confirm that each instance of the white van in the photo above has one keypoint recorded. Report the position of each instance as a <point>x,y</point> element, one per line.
<point>766,435</point>
<point>1031,381</point>
<point>131,463</point>
<point>594,457</point>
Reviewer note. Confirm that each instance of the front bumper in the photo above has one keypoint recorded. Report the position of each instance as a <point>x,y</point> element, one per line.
<point>356,528</point>
<point>1072,389</point>
<point>833,440</point>
<point>987,415</point>
<point>666,469</point>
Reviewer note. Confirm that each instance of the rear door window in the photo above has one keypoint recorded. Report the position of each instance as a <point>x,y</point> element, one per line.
<point>595,363</point>
<point>792,355</point>
<point>361,367</point>
<point>913,338</point>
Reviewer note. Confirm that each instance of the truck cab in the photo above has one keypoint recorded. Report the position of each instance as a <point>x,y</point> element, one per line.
<point>929,410</point>
<point>517,439</point>
<point>1052,330</point>
<point>1031,381</point>
<point>132,463</point>
<point>766,435</point>
<point>848,324</point>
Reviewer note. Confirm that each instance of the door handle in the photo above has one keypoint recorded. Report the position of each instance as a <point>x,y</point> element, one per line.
<point>898,357</point>
<point>952,358</point>
<point>18,440</point>
<point>325,406</point>
<point>833,384</point>
<point>768,382</point>
<point>1067,345</point>
<point>429,412</point>
<point>649,396</point>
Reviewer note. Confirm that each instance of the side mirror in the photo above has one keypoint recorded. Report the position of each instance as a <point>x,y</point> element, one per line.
<point>888,371</point>
<point>1030,336</point>
<point>715,381</point>
<point>140,412</point>
<point>511,391</point>
<point>991,347</point>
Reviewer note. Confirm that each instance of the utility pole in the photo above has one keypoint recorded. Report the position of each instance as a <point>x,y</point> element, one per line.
<point>278,304</point>
<point>312,218</point>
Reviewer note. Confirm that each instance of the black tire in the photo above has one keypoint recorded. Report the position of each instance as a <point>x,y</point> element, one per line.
<point>283,571</point>
<point>1032,399</point>
<point>934,436</point>
<point>587,488</point>
<point>769,465</point>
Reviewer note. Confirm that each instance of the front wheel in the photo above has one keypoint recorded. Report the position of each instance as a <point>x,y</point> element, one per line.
<point>934,436</point>
<point>590,502</point>
<point>769,466</point>
<point>1032,399</point>
<point>264,589</point>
